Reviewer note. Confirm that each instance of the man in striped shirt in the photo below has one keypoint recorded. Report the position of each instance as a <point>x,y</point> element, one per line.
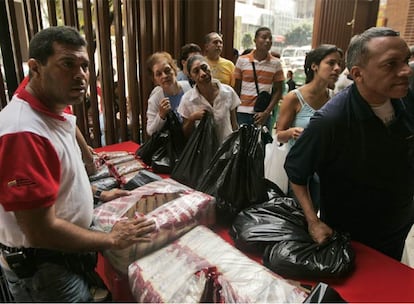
<point>270,78</point>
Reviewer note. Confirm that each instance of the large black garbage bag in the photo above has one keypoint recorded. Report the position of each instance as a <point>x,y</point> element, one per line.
<point>279,227</point>
<point>157,141</point>
<point>235,176</point>
<point>163,149</point>
<point>309,260</point>
<point>264,224</point>
<point>199,150</point>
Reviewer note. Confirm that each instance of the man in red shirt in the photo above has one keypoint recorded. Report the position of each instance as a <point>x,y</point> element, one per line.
<point>45,196</point>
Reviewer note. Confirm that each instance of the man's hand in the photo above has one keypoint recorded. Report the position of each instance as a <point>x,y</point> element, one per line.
<point>113,194</point>
<point>261,118</point>
<point>127,232</point>
<point>319,231</point>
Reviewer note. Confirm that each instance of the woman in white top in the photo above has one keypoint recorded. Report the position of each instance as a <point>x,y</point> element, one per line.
<point>166,96</point>
<point>208,94</point>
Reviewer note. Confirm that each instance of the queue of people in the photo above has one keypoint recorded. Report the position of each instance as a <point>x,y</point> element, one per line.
<point>338,141</point>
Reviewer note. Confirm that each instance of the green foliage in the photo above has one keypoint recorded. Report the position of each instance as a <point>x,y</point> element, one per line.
<point>247,41</point>
<point>300,35</point>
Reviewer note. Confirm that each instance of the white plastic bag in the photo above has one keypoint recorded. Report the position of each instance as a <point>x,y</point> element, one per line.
<point>273,164</point>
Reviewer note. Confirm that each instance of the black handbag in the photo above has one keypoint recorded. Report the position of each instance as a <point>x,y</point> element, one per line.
<point>263,98</point>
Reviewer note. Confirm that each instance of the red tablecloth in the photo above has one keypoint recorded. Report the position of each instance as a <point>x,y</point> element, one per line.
<point>377,278</point>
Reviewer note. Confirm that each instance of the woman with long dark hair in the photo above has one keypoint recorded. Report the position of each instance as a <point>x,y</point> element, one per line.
<point>322,68</point>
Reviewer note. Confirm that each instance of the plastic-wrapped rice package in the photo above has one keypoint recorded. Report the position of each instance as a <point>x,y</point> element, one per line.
<point>127,177</point>
<point>123,168</point>
<point>112,154</point>
<point>103,172</point>
<point>119,166</point>
<point>174,207</point>
<point>106,183</point>
<point>118,160</point>
<point>138,178</point>
<point>201,267</point>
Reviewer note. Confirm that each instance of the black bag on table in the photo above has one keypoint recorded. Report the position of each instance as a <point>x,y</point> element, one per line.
<point>164,147</point>
<point>235,176</point>
<point>142,178</point>
<point>198,152</point>
<point>264,224</point>
<point>323,293</point>
<point>280,229</point>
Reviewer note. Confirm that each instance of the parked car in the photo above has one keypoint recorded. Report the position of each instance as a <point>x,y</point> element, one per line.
<point>299,76</point>
<point>294,57</point>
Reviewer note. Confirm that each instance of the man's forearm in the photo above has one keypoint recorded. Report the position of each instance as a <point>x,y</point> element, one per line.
<point>302,194</point>
<point>54,233</point>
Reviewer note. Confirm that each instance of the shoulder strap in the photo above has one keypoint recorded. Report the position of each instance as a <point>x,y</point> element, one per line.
<point>300,97</point>
<point>255,78</point>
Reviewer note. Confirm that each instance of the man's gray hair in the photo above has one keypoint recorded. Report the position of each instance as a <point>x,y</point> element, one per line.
<point>358,52</point>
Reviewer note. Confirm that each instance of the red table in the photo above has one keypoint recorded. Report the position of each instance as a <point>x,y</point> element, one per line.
<point>377,278</point>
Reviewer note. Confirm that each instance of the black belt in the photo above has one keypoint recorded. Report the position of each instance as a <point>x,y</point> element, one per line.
<point>12,249</point>
<point>80,263</point>
<point>39,254</point>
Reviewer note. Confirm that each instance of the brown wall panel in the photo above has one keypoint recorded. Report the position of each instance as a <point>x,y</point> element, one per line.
<point>227,27</point>
<point>400,16</point>
<point>408,33</point>
<point>200,18</point>
<point>335,22</point>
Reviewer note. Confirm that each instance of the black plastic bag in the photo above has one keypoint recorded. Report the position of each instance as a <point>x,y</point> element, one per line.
<point>141,178</point>
<point>323,293</point>
<point>198,152</point>
<point>309,260</point>
<point>264,224</point>
<point>161,161</point>
<point>150,147</point>
<point>280,227</point>
<point>235,176</point>
<point>163,149</point>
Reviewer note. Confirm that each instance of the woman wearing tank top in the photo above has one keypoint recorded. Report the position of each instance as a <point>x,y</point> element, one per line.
<point>322,68</point>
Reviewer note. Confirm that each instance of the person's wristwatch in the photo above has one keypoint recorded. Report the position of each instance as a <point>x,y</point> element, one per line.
<point>97,196</point>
